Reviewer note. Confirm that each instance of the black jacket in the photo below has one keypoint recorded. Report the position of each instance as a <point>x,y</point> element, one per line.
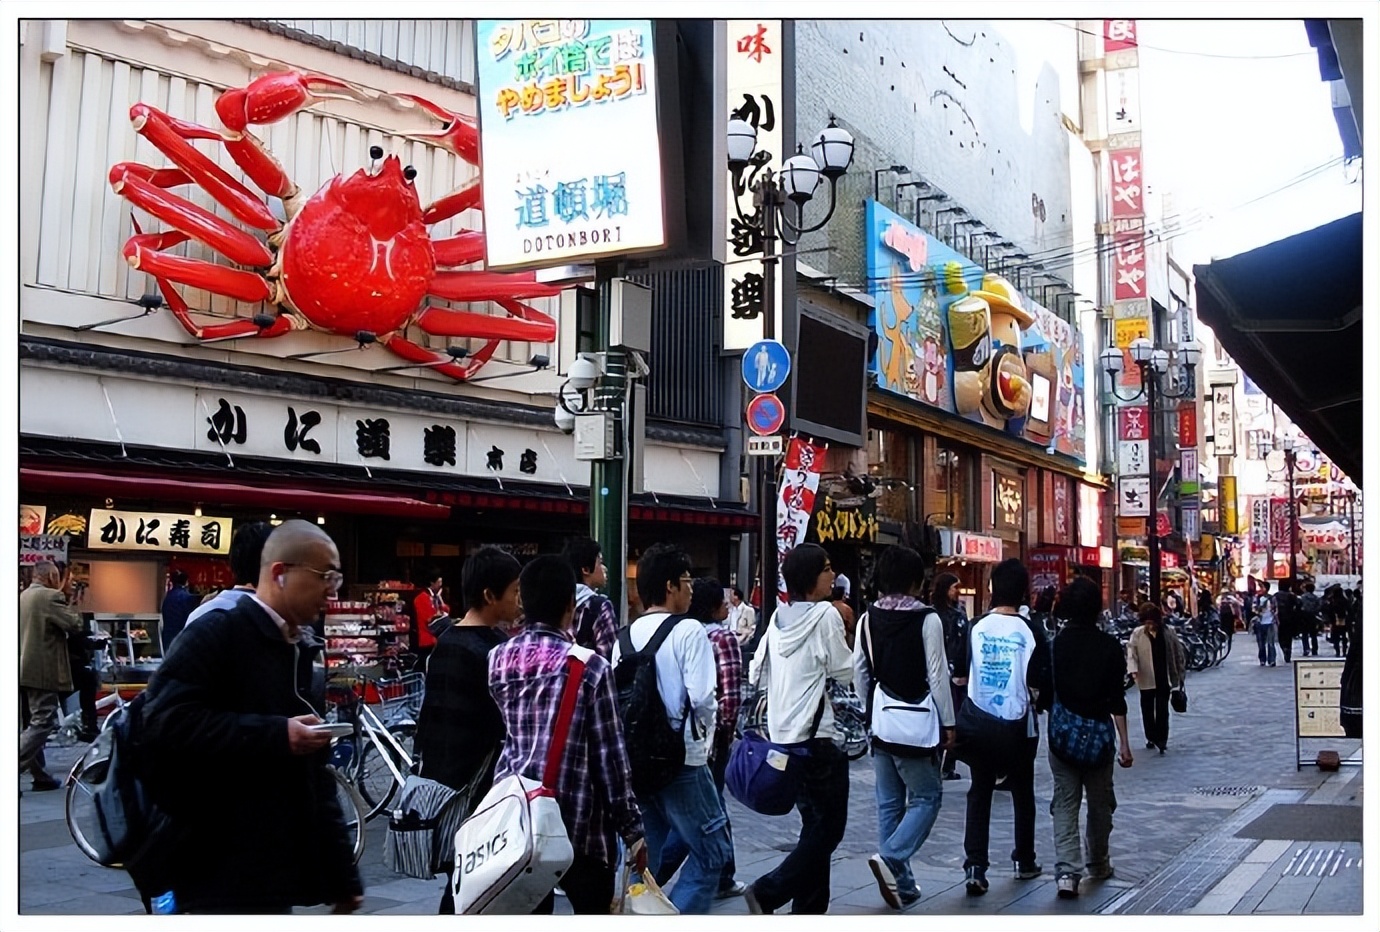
<point>1089,672</point>
<point>255,828</point>
<point>459,723</point>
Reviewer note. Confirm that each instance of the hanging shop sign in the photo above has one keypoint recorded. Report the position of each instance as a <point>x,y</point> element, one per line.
<point>1189,519</point>
<point>752,57</point>
<point>1008,501</point>
<point>1133,457</point>
<point>1188,423</point>
<point>157,532</point>
<point>1093,556</point>
<point>1332,535</point>
<point>1048,567</point>
<point>978,548</point>
<point>1279,525</point>
<point>796,500</point>
<point>1260,523</point>
<point>854,525</point>
<point>1133,423</point>
<point>582,82</point>
<point>1130,527</point>
<point>1133,496</point>
<point>1231,521</point>
<point>1224,420</point>
<point>1188,472</point>
<point>1118,34</point>
<point>34,548</point>
<point>1089,515</point>
<point>1134,555</point>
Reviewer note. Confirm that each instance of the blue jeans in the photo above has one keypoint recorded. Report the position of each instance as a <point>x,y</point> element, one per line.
<point>688,810</point>
<point>909,791</point>
<point>1265,637</point>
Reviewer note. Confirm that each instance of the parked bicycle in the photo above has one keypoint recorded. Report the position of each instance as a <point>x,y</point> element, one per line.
<point>849,716</point>
<point>377,757</point>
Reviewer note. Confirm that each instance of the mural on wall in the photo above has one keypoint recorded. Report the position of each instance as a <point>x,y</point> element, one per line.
<point>964,340</point>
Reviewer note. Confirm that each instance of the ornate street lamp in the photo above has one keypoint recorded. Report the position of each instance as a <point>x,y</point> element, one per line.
<point>1289,444</point>
<point>1153,363</point>
<point>830,155</point>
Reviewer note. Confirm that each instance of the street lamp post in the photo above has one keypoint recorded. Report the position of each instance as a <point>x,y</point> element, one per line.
<point>1351,531</point>
<point>830,155</point>
<point>1290,444</point>
<point>1153,364</point>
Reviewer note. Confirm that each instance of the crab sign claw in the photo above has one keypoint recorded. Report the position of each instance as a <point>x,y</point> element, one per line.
<point>274,96</point>
<point>458,133</point>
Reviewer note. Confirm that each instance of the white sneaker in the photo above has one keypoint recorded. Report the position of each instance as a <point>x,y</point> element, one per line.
<point>1068,886</point>
<point>886,881</point>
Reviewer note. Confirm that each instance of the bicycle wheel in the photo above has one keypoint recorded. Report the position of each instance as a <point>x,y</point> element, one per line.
<point>352,808</point>
<point>372,776</point>
<point>79,807</point>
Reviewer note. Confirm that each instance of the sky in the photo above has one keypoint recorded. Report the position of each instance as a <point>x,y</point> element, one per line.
<point>1237,112</point>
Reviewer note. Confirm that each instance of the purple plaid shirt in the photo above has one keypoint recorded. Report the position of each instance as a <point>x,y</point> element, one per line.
<point>728,660</point>
<point>597,623</point>
<point>526,676</point>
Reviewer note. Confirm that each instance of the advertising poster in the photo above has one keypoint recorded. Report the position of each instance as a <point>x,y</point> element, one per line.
<point>582,83</point>
<point>796,502</point>
<point>952,336</point>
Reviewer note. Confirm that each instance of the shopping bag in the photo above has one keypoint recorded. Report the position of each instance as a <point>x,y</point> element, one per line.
<point>421,826</point>
<point>645,898</point>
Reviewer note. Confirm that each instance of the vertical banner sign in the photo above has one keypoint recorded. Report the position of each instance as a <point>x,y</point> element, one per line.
<point>1188,423</point>
<point>1224,420</point>
<point>1279,526</point>
<point>1189,517</point>
<point>1125,194</point>
<point>753,79</point>
<point>1260,523</point>
<point>796,501</point>
<point>1133,423</point>
<point>1118,34</point>
<point>582,82</point>
<point>1226,501</point>
<point>1089,515</point>
<point>1188,473</point>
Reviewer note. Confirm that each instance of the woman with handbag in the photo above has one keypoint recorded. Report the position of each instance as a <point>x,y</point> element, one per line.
<point>1155,658</point>
<point>804,646</point>
<point>1088,702</point>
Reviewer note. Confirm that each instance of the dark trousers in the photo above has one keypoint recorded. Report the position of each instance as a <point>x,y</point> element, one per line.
<point>1339,642</point>
<point>588,885</point>
<point>802,878</point>
<point>1154,714</point>
<point>959,693</point>
<point>1020,780</point>
<point>1309,636</point>
<point>1286,641</point>
<point>85,682</point>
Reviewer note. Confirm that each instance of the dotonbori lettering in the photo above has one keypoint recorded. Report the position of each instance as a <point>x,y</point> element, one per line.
<point>534,244</point>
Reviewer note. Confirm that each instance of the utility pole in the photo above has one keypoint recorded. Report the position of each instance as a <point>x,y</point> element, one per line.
<point>766,203</point>
<point>608,489</point>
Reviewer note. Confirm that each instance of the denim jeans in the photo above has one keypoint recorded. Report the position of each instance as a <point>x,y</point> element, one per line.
<point>1265,637</point>
<point>689,809</point>
<point>674,850</point>
<point>1069,785</point>
<point>909,792</point>
<point>802,877</point>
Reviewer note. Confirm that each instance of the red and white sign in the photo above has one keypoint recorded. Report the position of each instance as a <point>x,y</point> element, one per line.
<point>1128,268</point>
<point>1118,34</point>
<point>1279,524</point>
<point>1330,536</point>
<point>1133,423</point>
<point>1094,556</point>
<point>796,501</point>
<point>977,547</point>
<point>1188,423</point>
<point>1163,528</point>
<point>1048,567</point>
<point>1128,194</point>
<point>1168,560</point>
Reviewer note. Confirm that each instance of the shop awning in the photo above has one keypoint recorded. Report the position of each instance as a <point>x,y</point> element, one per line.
<point>264,496</point>
<point>1289,313</point>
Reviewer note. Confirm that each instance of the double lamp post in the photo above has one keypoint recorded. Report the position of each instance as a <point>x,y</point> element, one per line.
<point>773,195</point>
<point>1153,363</point>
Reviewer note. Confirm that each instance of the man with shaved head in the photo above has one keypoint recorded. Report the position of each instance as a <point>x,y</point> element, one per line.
<point>229,752</point>
<point>45,673</point>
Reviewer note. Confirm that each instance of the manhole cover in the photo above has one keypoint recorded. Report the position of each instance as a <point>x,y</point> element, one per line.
<point>1228,790</point>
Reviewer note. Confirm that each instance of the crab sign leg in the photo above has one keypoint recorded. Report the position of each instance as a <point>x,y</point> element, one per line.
<point>181,214</point>
<point>448,205</point>
<point>489,286</point>
<point>412,352</point>
<point>528,324</point>
<point>459,133</point>
<point>156,126</point>
<point>463,249</point>
<point>144,252</point>
<point>179,309</point>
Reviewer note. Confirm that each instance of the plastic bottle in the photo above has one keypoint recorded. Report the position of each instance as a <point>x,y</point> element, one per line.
<point>164,905</point>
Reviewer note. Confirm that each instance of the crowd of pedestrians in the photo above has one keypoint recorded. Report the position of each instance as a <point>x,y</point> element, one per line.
<point>939,690</point>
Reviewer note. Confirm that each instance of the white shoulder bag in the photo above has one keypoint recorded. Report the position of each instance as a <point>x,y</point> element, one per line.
<point>894,720</point>
<point>514,850</point>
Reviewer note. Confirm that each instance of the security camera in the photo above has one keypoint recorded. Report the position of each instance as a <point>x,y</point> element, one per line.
<point>583,371</point>
<point>565,421</point>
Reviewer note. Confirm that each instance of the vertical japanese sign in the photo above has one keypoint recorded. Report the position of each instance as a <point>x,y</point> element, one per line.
<point>1125,195</point>
<point>1279,526</point>
<point>554,96</point>
<point>1231,521</point>
<point>754,83</point>
<point>1224,420</point>
<point>1188,472</point>
<point>1118,34</point>
<point>799,484</point>
<point>1188,423</point>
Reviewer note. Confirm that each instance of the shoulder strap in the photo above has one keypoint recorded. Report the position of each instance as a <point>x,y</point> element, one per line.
<point>625,646</point>
<point>663,631</point>
<point>574,673</point>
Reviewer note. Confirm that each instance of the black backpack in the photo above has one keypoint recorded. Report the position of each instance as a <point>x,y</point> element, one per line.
<point>656,751</point>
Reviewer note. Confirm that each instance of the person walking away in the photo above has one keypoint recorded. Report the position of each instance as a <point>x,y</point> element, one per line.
<point>1335,611</point>
<point>45,668</point>
<point>1087,679</point>
<point>955,619</point>
<point>177,606</point>
<point>1228,610</point>
<point>527,675</point>
<point>427,606</point>
<point>686,813</point>
<point>1310,618</point>
<point>1266,626</point>
<point>596,620</point>
<point>1155,658</point>
<point>86,682</point>
<point>1350,696</point>
<point>804,646</point>
<point>459,728</point>
<point>246,548</point>
<point>1009,659</point>
<point>896,632</point>
<point>707,606</point>
<point>228,752</point>
<point>742,618</point>
<point>1288,618</point>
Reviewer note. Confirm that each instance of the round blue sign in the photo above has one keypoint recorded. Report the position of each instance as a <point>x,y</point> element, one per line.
<point>766,365</point>
<point>765,415</point>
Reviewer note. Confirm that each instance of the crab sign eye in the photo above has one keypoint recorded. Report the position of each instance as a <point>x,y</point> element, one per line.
<point>376,152</point>
<point>445,127</point>
<point>409,173</point>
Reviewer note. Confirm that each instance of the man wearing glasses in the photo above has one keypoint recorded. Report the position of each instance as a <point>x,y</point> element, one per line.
<point>228,749</point>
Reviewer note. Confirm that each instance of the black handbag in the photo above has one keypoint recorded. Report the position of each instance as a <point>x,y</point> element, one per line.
<point>983,738</point>
<point>1178,699</point>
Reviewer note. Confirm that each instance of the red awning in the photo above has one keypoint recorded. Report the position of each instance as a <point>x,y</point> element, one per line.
<point>228,493</point>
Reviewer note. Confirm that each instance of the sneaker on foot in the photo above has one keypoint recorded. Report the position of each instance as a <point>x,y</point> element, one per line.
<point>1103,872</point>
<point>737,888</point>
<point>886,881</point>
<point>1026,871</point>
<point>1068,886</point>
<point>1149,745</point>
<point>909,899</point>
<point>45,783</point>
<point>952,775</point>
<point>976,880</point>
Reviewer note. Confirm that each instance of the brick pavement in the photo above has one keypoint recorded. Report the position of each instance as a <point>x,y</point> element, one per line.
<point>1229,758</point>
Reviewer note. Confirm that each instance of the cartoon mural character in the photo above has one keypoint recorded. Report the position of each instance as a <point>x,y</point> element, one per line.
<point>893,351</point>
<point>1066,396</point>
<point>996,387</point>
<point>932,380</point>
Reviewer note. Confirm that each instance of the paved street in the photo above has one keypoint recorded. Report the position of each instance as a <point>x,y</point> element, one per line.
<point>1229,769</point>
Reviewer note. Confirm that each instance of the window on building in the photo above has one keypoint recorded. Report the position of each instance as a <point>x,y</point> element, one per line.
<point>888,457</point>
<point>949,485</point>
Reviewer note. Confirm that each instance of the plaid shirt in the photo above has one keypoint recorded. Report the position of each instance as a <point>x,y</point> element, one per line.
<point>526,677</point>
<point>728,659</point>
<point>595,624</point>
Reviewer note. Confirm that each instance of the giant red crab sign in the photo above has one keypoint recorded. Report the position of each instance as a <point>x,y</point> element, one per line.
<point>355,258</point>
